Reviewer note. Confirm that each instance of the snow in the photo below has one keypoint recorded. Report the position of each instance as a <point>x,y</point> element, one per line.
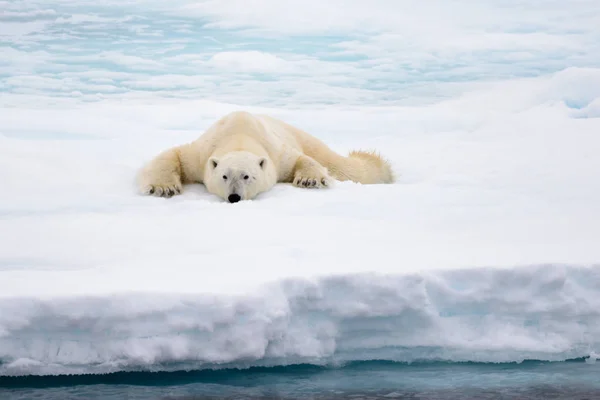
<point>95,278</point>
<point>486,249</point>
<point>548,313</point>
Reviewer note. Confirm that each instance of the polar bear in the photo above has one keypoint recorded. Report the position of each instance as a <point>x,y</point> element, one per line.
<point>243,154</point>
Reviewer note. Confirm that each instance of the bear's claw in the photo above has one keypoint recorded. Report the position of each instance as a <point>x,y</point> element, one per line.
<point>160,191</point>
<point>311,183</point>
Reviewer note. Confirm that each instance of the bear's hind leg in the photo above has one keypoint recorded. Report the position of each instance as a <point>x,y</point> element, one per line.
<point>310,174</point>
<point>162,175</point>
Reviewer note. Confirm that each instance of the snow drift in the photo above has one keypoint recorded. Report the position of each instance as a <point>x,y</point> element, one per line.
<point>545,312</point>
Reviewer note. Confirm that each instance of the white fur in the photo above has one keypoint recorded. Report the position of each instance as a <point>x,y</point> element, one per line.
<point>239,172</point>
<point>266,150</point>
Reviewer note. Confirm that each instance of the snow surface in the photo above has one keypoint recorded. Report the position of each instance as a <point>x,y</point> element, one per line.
<point>486,249</point>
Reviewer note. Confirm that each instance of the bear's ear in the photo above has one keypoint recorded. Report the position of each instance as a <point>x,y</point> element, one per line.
<point>213,162</point>
<point>263,162</point>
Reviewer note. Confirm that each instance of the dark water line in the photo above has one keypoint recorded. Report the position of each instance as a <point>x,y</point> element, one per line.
<point>246,376</point>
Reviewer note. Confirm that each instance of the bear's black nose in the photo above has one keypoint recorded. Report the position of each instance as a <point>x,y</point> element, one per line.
<point>234,198</point>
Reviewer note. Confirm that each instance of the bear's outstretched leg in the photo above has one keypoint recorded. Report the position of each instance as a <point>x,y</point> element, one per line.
<point>310,174</point>
<point>162,175</point>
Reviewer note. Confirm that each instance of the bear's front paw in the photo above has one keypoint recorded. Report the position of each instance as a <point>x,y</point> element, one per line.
<point>162,190</point>
<point>312,181</point>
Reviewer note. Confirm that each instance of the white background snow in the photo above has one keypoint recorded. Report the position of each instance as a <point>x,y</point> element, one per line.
<point>486,248</point>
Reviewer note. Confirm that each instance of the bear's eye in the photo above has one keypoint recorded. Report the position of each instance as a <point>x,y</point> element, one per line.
<point>246,177</point>
<point>224,177</point>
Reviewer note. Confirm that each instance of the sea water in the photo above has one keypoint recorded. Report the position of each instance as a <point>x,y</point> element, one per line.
<point>574,379</point>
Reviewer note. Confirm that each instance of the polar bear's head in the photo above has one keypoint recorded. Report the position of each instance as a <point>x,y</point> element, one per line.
<point>239,175</point>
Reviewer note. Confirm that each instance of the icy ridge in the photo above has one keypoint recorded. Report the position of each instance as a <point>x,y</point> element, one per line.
<point>545,312</point>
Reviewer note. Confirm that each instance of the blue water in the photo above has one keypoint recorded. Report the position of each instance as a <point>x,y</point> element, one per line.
<point>574,379</point>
